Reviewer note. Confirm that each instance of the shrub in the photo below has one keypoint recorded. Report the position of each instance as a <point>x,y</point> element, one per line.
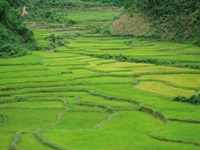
<point>194,99</point>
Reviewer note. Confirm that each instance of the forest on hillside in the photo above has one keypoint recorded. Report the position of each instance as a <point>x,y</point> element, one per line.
<point>176,20</point>
<point>15,37</point>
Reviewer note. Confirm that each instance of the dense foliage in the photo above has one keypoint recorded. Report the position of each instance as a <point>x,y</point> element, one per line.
<point>195,99</point>
<point>177,20</point>
<point>15,38</point>
<point>117,3</point>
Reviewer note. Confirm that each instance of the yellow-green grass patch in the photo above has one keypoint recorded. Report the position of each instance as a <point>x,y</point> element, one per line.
<point>15,86</point>
<point>126,91</point>
<point>161,88</point>
<point>187,80</point>
<point>124,65</point>
<point>24,120</point>
<point>88,16</point>
<point>132,135</point>
<point>24,60</point>
<point>80,120</point>
<point>48,55</point>
<point>6,69</point>
<point>88,98</point>
<point>29,141</point>
<point>76,58</point>
<point>162,69</point>
<point>5,139</point>
<point>28,74</point>
<point>104,80</point>
<point>80,73</point>
<point>52,78</point>
<point>187,114</point>
<point>180,131</point>
<point>34,105</point>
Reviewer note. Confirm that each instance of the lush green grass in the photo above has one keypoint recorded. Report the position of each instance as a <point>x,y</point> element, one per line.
<point>84,102</point>
<point>186,132</point>
<point>162,88</point>
<point>183,114</point>
<point>104,80</point>
<point>79,121</point>
<point>26,120</point>
<point>33,105</point>
<point>179,54</point>
<point>92,16</point>
<point>25,60</point>
<point>27,74</point>
<point>187,80</point>
<point>6,139</point>
<point>88,98</point>
<point>123,132</point>
<point>29,141</point>
<point>91,89</point>
<point>6,69</point>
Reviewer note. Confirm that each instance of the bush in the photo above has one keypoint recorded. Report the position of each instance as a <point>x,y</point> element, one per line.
<point>194,99</point>
<point>56,41</point>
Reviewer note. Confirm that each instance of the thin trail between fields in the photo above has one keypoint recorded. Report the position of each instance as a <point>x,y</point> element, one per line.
<point>13,145</point>
<point>45,141</point>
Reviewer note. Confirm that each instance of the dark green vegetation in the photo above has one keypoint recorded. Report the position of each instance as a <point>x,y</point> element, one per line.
<point>172,20</point>
<point>195,99</point>
<point>176,20</point>
<point>15,38</point>
<point>88,90</point>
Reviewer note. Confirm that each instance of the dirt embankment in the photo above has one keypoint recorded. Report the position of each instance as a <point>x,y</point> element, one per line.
<point>130,24</point>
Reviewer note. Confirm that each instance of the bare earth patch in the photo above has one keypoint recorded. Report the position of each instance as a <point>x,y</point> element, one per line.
<point>130,24</point>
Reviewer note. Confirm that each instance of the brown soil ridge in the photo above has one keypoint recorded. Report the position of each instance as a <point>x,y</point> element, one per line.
<point>135,24</point>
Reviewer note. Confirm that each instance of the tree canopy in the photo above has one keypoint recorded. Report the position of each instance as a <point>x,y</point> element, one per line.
<point>177,20</point>
<point>15,37</point>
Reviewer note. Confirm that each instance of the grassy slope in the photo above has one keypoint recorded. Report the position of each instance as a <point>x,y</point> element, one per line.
<point>135,24</point>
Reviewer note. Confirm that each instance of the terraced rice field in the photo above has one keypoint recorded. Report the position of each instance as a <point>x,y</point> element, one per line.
<point>73,99</point>
<point>66,100</point>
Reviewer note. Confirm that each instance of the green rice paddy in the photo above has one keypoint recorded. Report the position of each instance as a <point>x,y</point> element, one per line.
<point>75,99</point>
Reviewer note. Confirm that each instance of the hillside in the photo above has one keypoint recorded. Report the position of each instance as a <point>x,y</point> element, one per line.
<point>172,20</point>
<point>15,37</point>
<point>130,24</point>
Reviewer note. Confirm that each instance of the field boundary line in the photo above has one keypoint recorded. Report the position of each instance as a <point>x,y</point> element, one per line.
<point>175,141</point>
<point>46,142</point>
<point>154,113</point>
<point>185,121</point>
<point>13,145</point>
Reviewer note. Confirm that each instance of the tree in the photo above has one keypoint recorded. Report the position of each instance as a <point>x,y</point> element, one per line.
<point>15,37</point>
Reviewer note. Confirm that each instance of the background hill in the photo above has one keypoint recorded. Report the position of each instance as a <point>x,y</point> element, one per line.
<point>130,24</point>
<point>177,20</point>
<point>172,20</point>
<point>15,38</point>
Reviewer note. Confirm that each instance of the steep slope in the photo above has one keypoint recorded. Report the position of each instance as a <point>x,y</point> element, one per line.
<point>130,24</point>
<point>176,20</point>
